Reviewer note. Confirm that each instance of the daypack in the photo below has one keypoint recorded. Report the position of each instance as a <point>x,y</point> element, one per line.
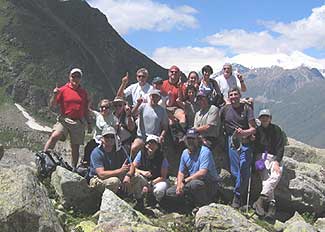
<point>46,163</point>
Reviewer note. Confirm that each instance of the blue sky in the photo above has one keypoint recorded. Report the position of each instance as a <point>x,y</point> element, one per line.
<point>193,33</point>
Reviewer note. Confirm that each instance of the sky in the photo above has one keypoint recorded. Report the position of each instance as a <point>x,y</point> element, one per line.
<point>193,33</point>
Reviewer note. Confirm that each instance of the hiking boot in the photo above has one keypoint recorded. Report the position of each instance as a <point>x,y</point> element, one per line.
<point>259,205</point>
<point>270,215</point>
<point>236,202</point>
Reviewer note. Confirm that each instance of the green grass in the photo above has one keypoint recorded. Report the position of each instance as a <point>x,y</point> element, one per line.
<point>309,217</point>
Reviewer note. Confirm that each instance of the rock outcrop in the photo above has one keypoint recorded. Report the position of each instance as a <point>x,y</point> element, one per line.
<point>295,224</point>
<point>217,217</point>
<point>24,203</point>
<point>74,192</point>
<point>116,213</point>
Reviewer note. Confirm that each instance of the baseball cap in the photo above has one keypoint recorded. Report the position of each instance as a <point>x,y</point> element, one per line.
<point>192,133</point>
<point>151,137</point>
<point>156,80</point>
<point>155,91</point>
<point>74,70</point>
<point>118,99</point>
<point>108,130</point>
<point>265,112</point>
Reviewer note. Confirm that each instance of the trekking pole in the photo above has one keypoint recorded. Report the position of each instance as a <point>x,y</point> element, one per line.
<point>249,188</point>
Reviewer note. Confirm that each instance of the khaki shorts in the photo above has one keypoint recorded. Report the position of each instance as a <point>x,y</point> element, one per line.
<point>74,128</point>
<point>174,110</point>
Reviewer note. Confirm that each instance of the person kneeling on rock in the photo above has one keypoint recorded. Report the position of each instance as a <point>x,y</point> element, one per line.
<point>152,167</point>
<point>197,175</point>
<point>269,149</point>
<point>112,168</point>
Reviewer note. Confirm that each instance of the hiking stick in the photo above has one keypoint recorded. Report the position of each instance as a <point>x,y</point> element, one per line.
<point>249,188</point>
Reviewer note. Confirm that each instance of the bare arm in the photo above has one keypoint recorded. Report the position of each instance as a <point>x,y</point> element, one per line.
<point>125,80</point>
<point>198,175</point>
<point>242,83</point>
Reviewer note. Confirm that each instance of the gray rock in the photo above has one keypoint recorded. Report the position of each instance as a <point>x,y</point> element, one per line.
<point>320,224</point>
<point>117,212</point>
<point>217,217</point>
<point>111,227</point>
<point>302,187</point>
<point>74,192</point>
<point>297,224</point>
<point>24,204</point>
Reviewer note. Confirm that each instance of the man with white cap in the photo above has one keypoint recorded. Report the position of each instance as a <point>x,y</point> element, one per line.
<point>152,119</point>
<point>152,166</point>
<point>73,101</point>
<point>112,168</point>
<point>269,149</point>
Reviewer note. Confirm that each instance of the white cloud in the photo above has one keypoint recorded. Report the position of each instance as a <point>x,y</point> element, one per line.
<point>189,58</point>
<point>127,15</point>
<point>278,37</point>
<point>194,58</point>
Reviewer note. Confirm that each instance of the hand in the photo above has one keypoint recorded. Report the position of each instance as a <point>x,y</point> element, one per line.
<point>180,189</point>
<point>240,132</point>
<point>125,167</point>
<point>145,189</point>
<point>126,184</point>
<point>276,167</point>
<point>240,77</point>
<point>125,79</point>
<point>146,174</point>
<point>56,90</point>
<point>161,139</point>
<point>139,100</point>
<point>127,110</point>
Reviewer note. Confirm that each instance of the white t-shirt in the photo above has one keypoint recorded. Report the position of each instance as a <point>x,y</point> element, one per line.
<point>101,122</point>
<point>226,84</point>
<point>137,91</point>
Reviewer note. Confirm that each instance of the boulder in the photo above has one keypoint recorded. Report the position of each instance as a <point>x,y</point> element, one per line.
<point>74,192</point>
<point>117,212</point>
<point>85,226</point>
<point>304,153</point>
<point>297,224</point>
<point>320,224</point>
<point>302,187</point>
<point>24,203</point>
<point>108,227</point>
<point>217,217</point>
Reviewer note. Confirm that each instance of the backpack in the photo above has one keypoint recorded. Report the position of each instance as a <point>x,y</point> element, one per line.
<point>47,161</point>
<point>216,97</point>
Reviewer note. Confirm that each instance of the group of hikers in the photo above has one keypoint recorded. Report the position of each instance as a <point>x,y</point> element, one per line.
<point>126,152</point>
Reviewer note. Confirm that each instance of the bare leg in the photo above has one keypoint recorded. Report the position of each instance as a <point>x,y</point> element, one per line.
<point>50,144</point>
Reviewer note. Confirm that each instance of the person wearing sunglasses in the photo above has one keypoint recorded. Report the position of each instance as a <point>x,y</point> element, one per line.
<point>74,115</point>
<point>103,117</point>
<point>137,90</point>
<point>125,125</point>
<point>112,168</point>
<point>228,80</point>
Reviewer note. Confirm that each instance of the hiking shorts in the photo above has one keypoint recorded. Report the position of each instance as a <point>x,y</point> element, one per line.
<point>74,128</point>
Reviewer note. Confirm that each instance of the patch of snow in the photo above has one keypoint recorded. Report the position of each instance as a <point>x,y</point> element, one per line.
<point>31,123</point>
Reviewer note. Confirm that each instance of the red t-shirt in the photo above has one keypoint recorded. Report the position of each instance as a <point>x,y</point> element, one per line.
<point>73,102</point>
<point>168,87</point>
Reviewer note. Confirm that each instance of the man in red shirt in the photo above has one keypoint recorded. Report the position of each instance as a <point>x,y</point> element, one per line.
<point>171,87</point>
<point>73,101</point>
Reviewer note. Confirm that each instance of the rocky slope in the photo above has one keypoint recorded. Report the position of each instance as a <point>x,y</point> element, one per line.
<point>40,40</point>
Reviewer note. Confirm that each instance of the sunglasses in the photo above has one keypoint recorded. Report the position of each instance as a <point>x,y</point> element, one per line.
<point>103,107</point>
<point>109,137</point>
<point>226,68</point>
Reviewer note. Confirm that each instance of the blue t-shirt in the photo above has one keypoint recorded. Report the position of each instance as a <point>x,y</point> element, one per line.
<point>108,160</point>
<point>203,159</point>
